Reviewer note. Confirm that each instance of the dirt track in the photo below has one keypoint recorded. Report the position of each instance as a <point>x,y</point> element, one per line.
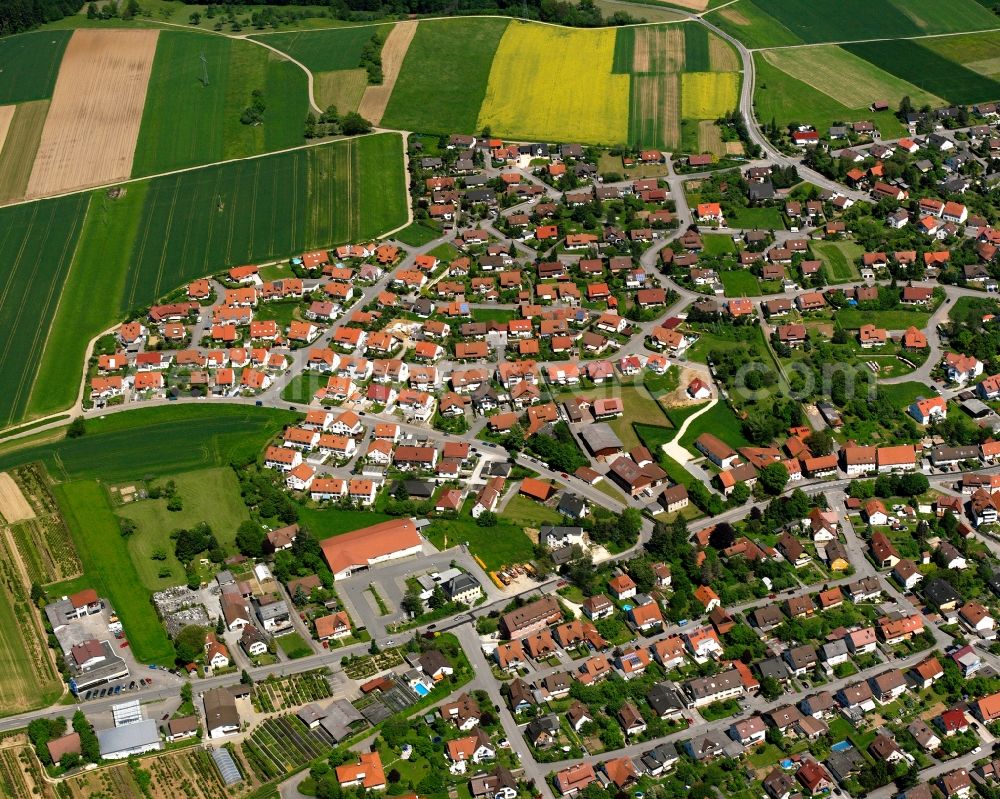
<point>93,121</point>
<point>13,506</point>
<point>393,52</point>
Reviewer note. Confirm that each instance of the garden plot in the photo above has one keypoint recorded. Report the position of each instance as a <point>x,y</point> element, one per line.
<point>291,692</point>
<point>283,744</point>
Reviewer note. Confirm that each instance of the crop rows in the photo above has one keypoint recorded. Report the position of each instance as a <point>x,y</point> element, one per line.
<point>292,691</point>
<point>282,744</point>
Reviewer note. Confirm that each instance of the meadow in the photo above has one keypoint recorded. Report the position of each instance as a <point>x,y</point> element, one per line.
<point>208,495</point>
<point>720,421</point>
<point>929,70</point>
<point>980,52</point>
<point>838,259</point>
<point>899,319</point>
<point>36,248</point>
<point>29,63</point>
<point>751,25</point>
<point>152,442</point>
<point>186,123</point>
<point>108,568</point>
<point>325,50</point>
<point>443,79</point>
<point>740,283</point>
<point>556,84</point>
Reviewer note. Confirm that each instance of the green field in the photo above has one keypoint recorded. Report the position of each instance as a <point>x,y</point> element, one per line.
<point>751,25</point>
<point>786,100</point>
<point>417,234</point>
<point>110,226</point>
<point>29,64</point>
<point>740,283</point>
<point>903,394</point>
<point>758,218</point>
<point>980,52</point>
<point>442,82</point>
<point>721,422</point>
<point>36,248</point>
<point>852,20</point>
<point>209,495</point>
<point>152,442</point>
<point>326,50</point>
<point>195,223</point>
<point>20,147</point>
<point>528,513</point>
<point>498,546</point>
<point>853,318</point>
<point>696,49</point>
<point>108,568</point>
<point>186,123</point>
<point>55,296</point>
<point>929,70</point>
<point>326,522</point>
<point>718,243</point>
<point>838,259</point>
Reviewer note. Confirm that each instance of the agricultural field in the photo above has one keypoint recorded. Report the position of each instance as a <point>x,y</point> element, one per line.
<point>929,69</point>
<point>289,692</point>
<point>28,677</point>
<point>556,84</point>
<point>19,147</point>
<point>138,244</point>
<point>29,63</point>
<point>186,437</point>
<point>108,568</point>
<point>186,122</point>
<point>397,44</point>
<point>192,773</point>
<point>979,52</point>
<point>90,132</point>
<point>37,533</point>
<point>441,87</point>
<point>209,495</point>
<point>776,23</point>
<point>681,76</point>
<point>343,89</point>
<point>21,774</point>
<point>848,79</point>
<point>36,247</point>
<point>780,97</point>
<point>282,744</point>
<point>325,50</point>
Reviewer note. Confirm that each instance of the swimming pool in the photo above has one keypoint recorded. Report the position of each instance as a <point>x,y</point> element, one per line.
<point>421,689</point>
<point>626,608</point>
<point>841,746</point>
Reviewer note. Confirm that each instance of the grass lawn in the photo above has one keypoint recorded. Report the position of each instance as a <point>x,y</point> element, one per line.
<point>108,568</point>
<point>903,394</point>
<point>639,404</point>
<point>417,234</point>
<point>497,546</point>
<point>970,308</point>
<point>446,252</point>
<point>740,283</point>
<point>209,495</point>
<point>720,421</point>
<point>293,646</point>
<point>301,388</point>
<point>326,522</point>
<point>853,318</point>
<point>838,259</point>
<point>767,755</point>
<point>761,218</point>
<point>718,243</point>
<point>150,442</point>
<point>529,513</point>
<point>284,313</point>
<point>493,314</point>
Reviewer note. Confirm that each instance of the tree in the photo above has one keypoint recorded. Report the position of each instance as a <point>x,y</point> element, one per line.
<point>90,749</point>
<point>250,539</point>
<point>412,603</point>
<point>187,693</point>
<point>438,598</point>
<point>77,428</point>
<point>175,504</point>
<point>487,519</point>
<point>220,626</point>
<point>722,536</point>
<point>190,643</point>
<point>739,494</point>
<point>773,478</point>
<point>770,688</point>
<point>245,677</point>
<point>820,442</point>
<point>353,124</point>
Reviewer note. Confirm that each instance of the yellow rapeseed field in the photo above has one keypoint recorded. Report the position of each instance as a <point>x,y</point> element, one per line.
<point>709,95</point>
<point>556,84</point>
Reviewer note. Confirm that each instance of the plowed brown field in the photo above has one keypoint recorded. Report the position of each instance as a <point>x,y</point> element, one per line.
<point>376,98</point>
<point>93,121</point>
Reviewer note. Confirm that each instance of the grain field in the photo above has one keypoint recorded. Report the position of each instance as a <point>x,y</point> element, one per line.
<point>342,88</point>
<point>376,98</point>
<point>19,148</point>
<point>721,55</point>
<point>13,506</point>
<point>655,119</point>
<point>658,49</point>
<point>93,121</point>
<point>710,138</point>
